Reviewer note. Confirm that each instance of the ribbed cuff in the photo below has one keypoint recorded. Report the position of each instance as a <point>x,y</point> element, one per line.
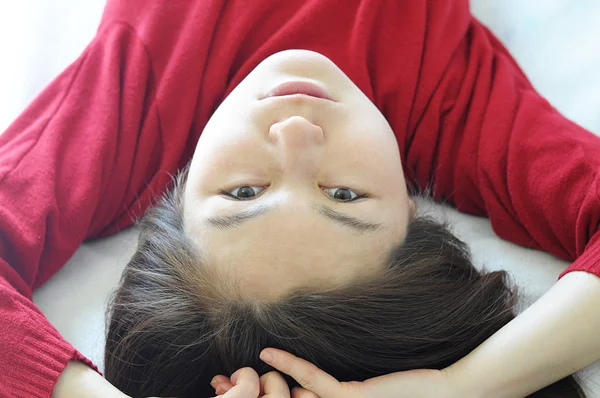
<point>42,356</point>
<point>589,261</point>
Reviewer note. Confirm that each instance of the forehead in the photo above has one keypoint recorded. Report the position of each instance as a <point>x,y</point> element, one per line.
<point>285,249</point>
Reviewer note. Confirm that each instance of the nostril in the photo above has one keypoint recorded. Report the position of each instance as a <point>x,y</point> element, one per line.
<point>296,130</point>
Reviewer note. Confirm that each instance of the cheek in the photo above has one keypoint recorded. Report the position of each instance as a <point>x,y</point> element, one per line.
<point>222,139</point>
<point>225,157</point>
<point>376,159</point>
<point>368,135</point>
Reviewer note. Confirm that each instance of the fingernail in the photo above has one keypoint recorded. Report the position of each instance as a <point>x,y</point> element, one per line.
<point>266,356</point>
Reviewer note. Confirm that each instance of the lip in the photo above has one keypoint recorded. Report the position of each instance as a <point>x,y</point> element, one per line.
<point>299,88</point>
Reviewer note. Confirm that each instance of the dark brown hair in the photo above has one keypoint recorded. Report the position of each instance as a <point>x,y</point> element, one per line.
<point>172,326</point>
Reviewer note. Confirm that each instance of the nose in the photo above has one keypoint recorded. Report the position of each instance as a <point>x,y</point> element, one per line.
<point>296,139</point>
<point>296,134</point>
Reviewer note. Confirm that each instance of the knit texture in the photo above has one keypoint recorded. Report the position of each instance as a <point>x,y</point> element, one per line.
<point>94,149</point>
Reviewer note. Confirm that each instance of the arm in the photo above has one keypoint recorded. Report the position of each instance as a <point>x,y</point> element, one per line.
<point>84,159</point>
<point>484,140</point>
<point>502,151</point>
<point>79,380</point>
<point>552,339</point>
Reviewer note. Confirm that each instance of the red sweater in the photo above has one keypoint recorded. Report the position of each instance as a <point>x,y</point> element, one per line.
<point>88,155</point>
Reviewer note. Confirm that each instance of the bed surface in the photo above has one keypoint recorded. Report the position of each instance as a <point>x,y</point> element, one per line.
<point>555,41</point>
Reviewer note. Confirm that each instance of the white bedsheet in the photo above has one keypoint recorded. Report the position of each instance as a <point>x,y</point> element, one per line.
<point>555,41</point>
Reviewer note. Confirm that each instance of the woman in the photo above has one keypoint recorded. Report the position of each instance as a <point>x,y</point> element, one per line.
<point>175,322</point>
<point>92,152</point>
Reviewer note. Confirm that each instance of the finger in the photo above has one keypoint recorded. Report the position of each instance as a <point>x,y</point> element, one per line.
<point>221,384</point>
<point>273,385</point>
<point>245,384</point>
<point>299,392</point>
<point>305,373</point>
<point>244,375</point>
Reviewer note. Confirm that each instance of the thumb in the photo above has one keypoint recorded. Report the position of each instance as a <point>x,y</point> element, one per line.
<point>245,384</point>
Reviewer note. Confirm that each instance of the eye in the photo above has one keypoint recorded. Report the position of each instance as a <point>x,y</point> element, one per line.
<point>343,194</point>
<point>243,193</point>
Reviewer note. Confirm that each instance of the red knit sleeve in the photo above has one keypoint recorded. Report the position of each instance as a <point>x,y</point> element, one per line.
<point>483,139</point>
<point>80,157</point>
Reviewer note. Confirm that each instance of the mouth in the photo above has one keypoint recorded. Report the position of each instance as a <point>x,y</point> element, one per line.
<point>299,88</point>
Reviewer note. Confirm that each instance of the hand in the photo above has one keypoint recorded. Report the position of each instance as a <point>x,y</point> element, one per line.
<point>421,383</point>
<point>245,383</point>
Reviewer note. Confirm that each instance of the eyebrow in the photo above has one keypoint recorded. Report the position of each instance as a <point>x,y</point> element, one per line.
<point>236,219</point>
<point>358,225</point>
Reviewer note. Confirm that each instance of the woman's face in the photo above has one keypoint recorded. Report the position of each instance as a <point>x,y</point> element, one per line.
<point>291,191</point>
